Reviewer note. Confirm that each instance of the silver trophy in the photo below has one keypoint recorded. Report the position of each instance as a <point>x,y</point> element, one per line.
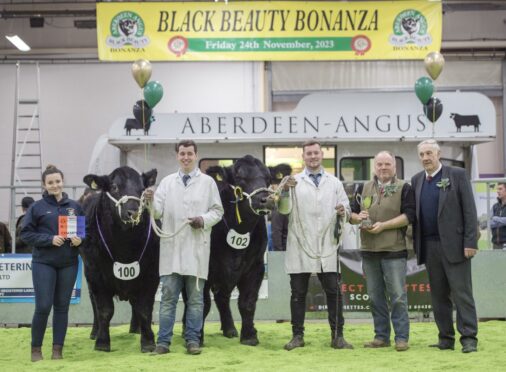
<point>365,203</point>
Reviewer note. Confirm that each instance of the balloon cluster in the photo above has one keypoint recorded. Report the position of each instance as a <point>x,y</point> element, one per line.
<point>424,87</point>
<point>152,91</point>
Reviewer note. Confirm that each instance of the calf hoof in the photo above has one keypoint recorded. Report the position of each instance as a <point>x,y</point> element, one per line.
<point>93,335</point>
<point>250,341</point>
<point>102,347</point>
<point>148,348</point>
<point>230,333</point>
<point>136,330</point>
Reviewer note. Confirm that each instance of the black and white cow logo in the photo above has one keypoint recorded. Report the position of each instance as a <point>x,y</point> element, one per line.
<point>410,25</point>
<point>128,26</point>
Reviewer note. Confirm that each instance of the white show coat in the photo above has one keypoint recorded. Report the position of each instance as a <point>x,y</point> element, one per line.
<point>187,253</point>
<point>311,246</point>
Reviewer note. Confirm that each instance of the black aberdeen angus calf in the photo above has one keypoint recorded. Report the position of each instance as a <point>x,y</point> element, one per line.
<point>238,243</point>
<point>120,252</point>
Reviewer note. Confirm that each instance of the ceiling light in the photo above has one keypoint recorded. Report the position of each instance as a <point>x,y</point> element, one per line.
<point>18,43</point>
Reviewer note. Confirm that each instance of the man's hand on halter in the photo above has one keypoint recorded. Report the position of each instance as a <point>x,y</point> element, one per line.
<point>340,209</point>
<point>149,194</point>
<point>196,222</point>
<point>290,182</point>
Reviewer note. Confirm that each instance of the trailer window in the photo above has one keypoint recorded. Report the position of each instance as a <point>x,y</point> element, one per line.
<point>292,155</point>
<point>353,169</point>
<point>209,162</point>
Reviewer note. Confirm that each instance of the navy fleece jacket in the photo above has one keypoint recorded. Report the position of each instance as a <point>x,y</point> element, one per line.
<point>40,225</point>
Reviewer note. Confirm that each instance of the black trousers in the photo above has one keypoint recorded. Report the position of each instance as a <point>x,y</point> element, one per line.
<point>331,286</point>
<point>451,281</point>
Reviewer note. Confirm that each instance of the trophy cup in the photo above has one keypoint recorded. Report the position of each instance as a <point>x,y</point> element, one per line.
<point>365,203</point>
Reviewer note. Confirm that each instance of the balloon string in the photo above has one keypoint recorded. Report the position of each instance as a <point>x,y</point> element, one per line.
<point>143,119</point>
<point>144,129</point>
<point>434,115</point>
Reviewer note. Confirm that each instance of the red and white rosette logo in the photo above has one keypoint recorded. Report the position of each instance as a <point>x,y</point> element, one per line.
<point>178,45</point>
<point>360,44</point>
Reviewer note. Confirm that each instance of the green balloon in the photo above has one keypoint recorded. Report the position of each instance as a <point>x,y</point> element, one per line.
<point>153,93</point>
<point>424,89</point>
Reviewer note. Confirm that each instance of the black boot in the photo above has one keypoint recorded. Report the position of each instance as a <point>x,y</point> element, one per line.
<point>338,341</point>
<point>296,341</point>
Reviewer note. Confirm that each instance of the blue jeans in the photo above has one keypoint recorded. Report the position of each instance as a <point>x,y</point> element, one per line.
<point>386,283</point>
<point>53,288</point>
<point>171,288</point>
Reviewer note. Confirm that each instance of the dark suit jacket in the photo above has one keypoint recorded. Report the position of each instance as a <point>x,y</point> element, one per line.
<point>457,220</point>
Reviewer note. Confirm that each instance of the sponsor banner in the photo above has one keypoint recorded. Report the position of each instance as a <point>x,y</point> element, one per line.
<point>268,30</point>
<point>332,116</point>
<point>354,288</point>
<point>16,279</point>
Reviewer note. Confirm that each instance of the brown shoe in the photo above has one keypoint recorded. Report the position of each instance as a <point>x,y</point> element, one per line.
<point>36,354</point>
<point>160,349</point>
<point>193,348</point>
<point>401,345</point>
<point>57,352</point>
<point>377,343</point>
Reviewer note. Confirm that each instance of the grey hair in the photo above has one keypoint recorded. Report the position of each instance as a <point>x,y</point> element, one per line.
<point>431,142</point>
<point>389,153</point>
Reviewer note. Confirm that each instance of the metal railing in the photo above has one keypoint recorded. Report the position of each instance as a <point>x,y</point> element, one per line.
<point>73,191</point>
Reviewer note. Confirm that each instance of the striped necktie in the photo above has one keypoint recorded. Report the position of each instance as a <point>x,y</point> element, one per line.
<point>186,178</point>
<point>315,178</point>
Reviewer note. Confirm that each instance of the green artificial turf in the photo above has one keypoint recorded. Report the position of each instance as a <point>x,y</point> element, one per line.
<point>222,354</point>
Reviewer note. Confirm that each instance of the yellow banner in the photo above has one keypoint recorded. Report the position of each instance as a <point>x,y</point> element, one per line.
<point>268,30</point>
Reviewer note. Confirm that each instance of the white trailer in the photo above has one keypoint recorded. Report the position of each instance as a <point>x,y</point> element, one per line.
<point>352,126</point>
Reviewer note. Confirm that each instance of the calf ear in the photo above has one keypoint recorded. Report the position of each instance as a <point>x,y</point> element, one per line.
<point>279,172</point>
<point>97,182</point>
<point>149,178</point>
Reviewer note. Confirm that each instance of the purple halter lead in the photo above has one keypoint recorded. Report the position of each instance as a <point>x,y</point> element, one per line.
<point>107,247</point>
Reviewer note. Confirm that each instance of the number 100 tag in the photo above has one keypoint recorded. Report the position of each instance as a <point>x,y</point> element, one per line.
<point>126,271</point>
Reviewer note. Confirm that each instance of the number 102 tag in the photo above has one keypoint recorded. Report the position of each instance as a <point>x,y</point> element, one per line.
<point>238,241</point>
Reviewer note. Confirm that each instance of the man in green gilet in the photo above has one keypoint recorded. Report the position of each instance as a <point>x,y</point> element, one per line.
<point>384,207</point>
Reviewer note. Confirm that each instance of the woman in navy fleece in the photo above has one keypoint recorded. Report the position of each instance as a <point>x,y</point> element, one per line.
<point>54,260</point>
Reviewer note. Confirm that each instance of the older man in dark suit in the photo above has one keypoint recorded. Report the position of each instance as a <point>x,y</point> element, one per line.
<point>445,239</point>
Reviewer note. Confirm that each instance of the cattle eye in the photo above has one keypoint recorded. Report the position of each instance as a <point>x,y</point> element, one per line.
<point>114,187</point>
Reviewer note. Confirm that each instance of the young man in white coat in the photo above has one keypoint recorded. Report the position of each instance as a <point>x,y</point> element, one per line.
<point>317,199</point>
<point>192,198</point>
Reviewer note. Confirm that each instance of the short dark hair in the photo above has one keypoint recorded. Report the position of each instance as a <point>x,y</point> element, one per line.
<point>50,169</point>
<point>310,142</point>
<point>26,202</point>
<point>501,183</point>
<point>186,143</point>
